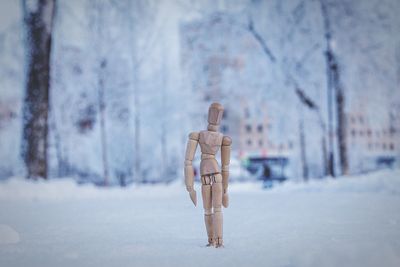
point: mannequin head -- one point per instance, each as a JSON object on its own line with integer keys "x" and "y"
{"x": 214, "y": 116}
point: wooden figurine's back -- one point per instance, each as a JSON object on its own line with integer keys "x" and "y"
{"x": 214, "y": 179}
{"x": 210, "y": 143}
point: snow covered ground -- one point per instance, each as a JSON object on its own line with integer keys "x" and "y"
{"x": 351, "y": 221}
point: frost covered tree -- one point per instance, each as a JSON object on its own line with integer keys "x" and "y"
{"x": 121, "y": 103}
{"x": 311, "y": 105}
{"x": 336, "y": 97}
{"x": 294, "y": 50}
{"x": 38, "y": 16}
{"x": 11, "y": 79}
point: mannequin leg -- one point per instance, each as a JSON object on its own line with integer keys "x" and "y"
{"x": 208, "y": 215}
{"x": 217, "y": 206}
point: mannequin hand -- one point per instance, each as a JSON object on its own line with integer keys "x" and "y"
{"x": 193, "y": 197}
{"x": 225, "y": 200}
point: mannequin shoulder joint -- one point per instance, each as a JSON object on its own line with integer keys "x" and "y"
{"x": 194, "y": 136}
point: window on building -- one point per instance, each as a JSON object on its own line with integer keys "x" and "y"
{"x": 225, "y": 114}
{"x": 369, "y": 133}
{"x": 224, "y": 128}
{"x": 391, "y": 146}
{"x": 248, "y": 128}
{"x": 260, "y": 143}
{"x": 384, "y": 146}
{"x": 370, "y": 146}
{"x": 260, "y": 128}
{"x": 249, "y": 142}
{"x": 353, "y": 133}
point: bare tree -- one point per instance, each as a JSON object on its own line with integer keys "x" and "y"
{"x": 304, "y": 99}
{"x": 103, "y": 133}
{"x": 335, "y": 95}
{"x": 164, "y": 132}
{"x": 136, "y": 90}
{"x": 334, "y": 85}
{"x": 134, "y": 10}
{"x": 101, "y": 65}
{"x": 310, "y": 104}
{"x": 38, "y": 16}
{"x": 341, "y": 121}
{"x": 303, "y": 154}
{"x": 267, "y": 51}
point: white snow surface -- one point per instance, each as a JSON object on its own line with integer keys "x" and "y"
{"x": 349, "y": 221}
{"x": 8, "y": 235}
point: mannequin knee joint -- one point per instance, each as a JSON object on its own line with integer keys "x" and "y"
{"x": 217, "y": 209}
{"x": 207, "y": 212}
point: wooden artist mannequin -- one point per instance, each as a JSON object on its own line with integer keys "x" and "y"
{"x": 214, "y": 180}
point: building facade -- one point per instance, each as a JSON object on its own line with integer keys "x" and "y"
{"x": 373, "y": 145}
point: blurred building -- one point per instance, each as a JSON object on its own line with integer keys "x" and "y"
{"x": 250, "y": 127}
{"x": 373, "y": 145}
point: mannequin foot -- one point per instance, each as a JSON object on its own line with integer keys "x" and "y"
{"x": 211, "y": 242}
{"x": 219, "y": 243}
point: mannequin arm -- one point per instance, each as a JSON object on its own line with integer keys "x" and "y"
{"x": 225, "y": 159}
{"x": 189, "y": 173}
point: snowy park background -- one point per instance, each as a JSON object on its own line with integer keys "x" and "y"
{"x": 94, "y": 124}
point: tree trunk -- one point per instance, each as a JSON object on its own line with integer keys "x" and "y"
{"x": 334, "y": 85}
{"x": 341, "y": 122}
{"x": 164, "y": 154}
{"x": 303, "y": 154}
{"x": 330, "y": 88}
{"x": 137, "y": 169}
{"x": 38, "y": 16}
{"x": 324, "y": 155}
{"x": 103, "y": 132}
